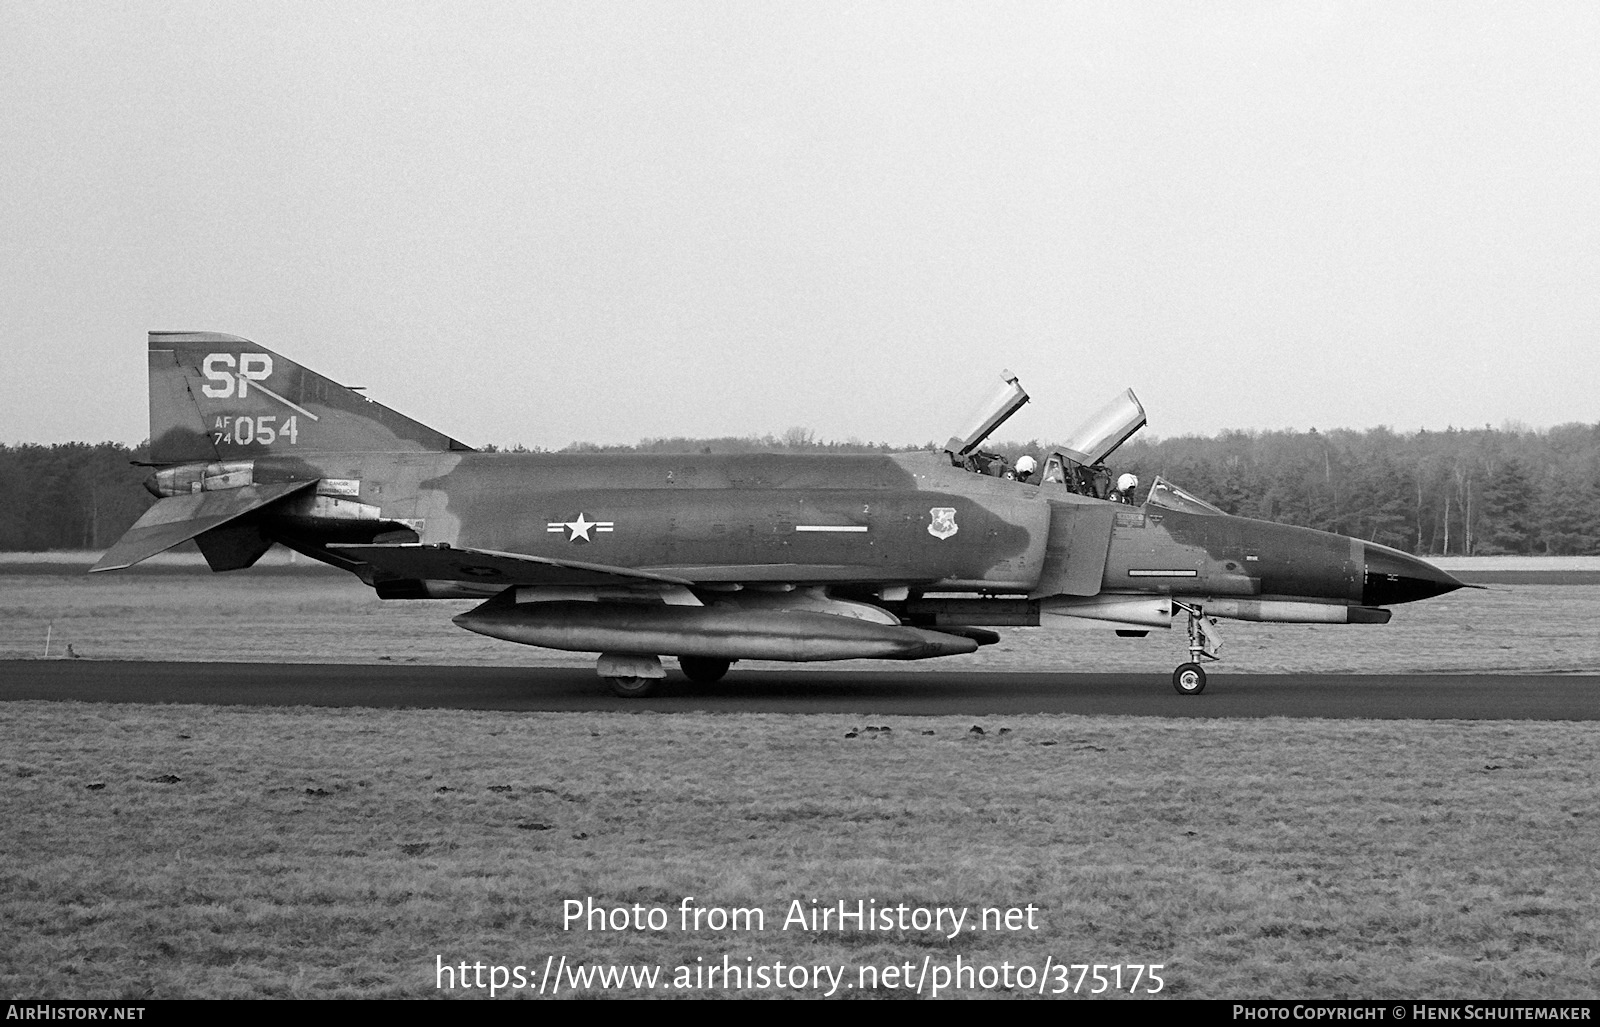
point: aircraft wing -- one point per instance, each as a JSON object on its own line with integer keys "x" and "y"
{"x": 180, "y": 518}
{"x": 444, "y": 562}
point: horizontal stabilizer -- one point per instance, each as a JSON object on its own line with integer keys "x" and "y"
{"x": 180, "y": 518}
{"x": 443, "y": 562}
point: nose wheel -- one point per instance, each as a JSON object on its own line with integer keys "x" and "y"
{"x": 1204, "y": 642}
{"x": 1189, "y": 679}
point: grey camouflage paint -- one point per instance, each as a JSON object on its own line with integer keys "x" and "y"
{"x": 859, "y": 524}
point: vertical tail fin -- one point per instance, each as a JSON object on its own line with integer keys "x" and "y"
{"x": 220, "y": 397}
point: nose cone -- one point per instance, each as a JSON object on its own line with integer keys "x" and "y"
{"x": 1395, "y": 577}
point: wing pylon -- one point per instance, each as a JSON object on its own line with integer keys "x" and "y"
{"x": 441, "y": 561}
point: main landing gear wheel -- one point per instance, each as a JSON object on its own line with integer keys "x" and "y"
{"x": 1189, "y": 679}
{"x": 633, "y": 688}
{"x": 703, "y": 670}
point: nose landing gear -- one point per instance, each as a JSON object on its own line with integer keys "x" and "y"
{"x": 1204, "y": 642}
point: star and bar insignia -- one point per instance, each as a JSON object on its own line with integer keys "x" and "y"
{"x": 578, "y": 530}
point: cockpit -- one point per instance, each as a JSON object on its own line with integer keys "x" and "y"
{"x": 1170, "y": 497}
{"x": 1077, "y": 466}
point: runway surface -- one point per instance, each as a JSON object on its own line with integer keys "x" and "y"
{"x": 921, "y": 693}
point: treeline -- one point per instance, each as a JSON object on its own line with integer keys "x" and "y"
{"x": 794, "y": 440}
{"x": 72, "y": 496}
{"x": 1457, "y": 492}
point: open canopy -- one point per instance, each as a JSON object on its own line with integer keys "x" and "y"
{"x": 1006, "y": 399}
{"x": 1109, "y": 427}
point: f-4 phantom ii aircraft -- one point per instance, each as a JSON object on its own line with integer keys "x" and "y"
{"x": 715, "y": 559}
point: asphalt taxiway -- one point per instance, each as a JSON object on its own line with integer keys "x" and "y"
{"x": 905, "y": 693}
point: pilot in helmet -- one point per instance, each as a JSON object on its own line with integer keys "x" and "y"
{"x": 1026, "y": 465}
{"x": 1125, "y": 487}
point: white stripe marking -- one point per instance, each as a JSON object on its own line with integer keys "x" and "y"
{"x": 280, "y": 399}
{"x": 1163, "y": 574}
{"x": 830, "y": 527}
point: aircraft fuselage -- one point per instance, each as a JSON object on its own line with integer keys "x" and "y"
{"x": 847, "y": 521}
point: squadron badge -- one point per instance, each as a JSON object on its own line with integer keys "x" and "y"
{"x": 942, "y": 522}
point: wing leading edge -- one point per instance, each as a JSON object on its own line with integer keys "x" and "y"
{"x": 443, "y": 562}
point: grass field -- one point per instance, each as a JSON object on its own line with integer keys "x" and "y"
{"x": 208, "y": 851}
{"x": 194, "y": 851}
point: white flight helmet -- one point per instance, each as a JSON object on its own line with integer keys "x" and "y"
{"x": 1026, "y": 464}
{"x": 1127, "y": 483}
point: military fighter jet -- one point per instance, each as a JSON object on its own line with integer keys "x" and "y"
{"x": 715, "y": 559}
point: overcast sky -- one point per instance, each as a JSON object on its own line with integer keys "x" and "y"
{"x": 546, "y": 222}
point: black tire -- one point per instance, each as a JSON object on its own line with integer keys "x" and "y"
{"x": 1189, "y": 679}
{"x": 633, "y": 688}
{"x": 703, "y": 670}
